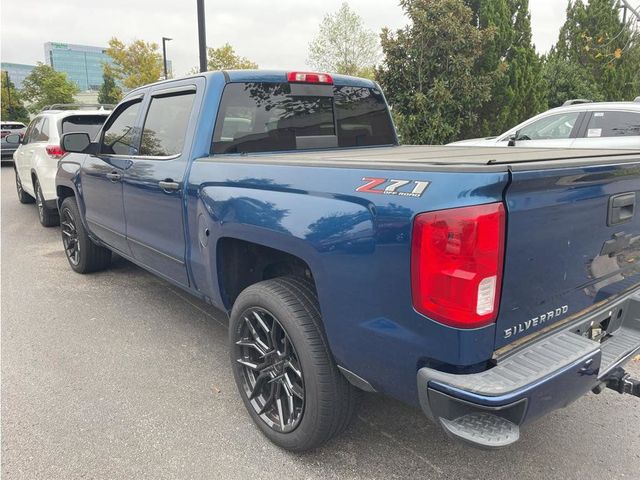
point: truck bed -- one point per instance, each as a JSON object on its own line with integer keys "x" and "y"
{"x": 438, "y": 157}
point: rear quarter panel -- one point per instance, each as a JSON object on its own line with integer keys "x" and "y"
{"x": 357, "y": 246}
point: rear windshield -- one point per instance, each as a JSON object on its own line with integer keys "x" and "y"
{"x": 90, "y": 124}
{"x": 266, "y": 117}
{"x": 12, "y": 126}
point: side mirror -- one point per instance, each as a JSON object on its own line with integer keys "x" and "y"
{"x": 77, "y": 142}
{"x": 13, "y": 139}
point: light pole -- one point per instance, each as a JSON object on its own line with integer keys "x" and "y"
{"x": 202, "y": 37}
{"x": 6, "y": 72}
{"x": 164, "y": 54}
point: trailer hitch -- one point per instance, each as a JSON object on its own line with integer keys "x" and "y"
{"x": 621, "y": 382}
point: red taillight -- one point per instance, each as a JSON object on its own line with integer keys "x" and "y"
{"x": 54, "y": 151}
{"x": 309, "y": 77}
{"x": 456, "y": 264}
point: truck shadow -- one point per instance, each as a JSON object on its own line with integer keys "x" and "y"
{"x": 388, "y": 439}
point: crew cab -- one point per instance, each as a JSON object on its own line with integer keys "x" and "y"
{"x": 37, "y": 152}
{"x": 487, "y": 286}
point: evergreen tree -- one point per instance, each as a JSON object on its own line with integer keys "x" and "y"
{"x": 429, "y": 71}
{"x": 601, "y": 47}
{"x": 518, "y": 91}
{"x": 109, "y": 92}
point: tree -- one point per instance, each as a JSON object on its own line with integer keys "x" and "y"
{"x": 430, "y": 73}
{"x": 603, "y": 53}
{"x": 134, "y": 65}
{"x": 13, "y": 108}
{"x": 44, "y": 86}
{"x": 518, "y": 91}
{"x": 567, "y": 80}
{"x": 225, "y": 58}
{"x": 109, "y": 91}
{"x": 344, "y": 45}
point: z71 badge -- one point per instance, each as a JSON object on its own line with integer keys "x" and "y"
{"x": 388, "y": 186}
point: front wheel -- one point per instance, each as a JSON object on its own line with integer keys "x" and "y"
{"x": 83, "y": 255}
{"x": 283, "y": 367}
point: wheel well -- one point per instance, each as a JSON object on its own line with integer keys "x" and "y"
{"x": 64, "y": 192}
{"x": 242, "y": 264}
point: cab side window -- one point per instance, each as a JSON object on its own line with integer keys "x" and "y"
{"x": 119, "y": 134}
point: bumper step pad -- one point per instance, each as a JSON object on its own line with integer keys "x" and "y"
{"x": 523, "y": 368}
{"x": 482, "y": 429}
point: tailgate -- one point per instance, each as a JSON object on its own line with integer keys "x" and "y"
{"x": 573, "y": 241}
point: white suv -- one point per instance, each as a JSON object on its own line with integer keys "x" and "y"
{"x": 36, "y": 159}
{"x": 577, "y": 124}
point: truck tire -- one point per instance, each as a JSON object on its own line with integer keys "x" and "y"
{"x": 83, "y": 254}
{"x": 48, "y": 217}
{"x": 284, "y": 370}
{"x": 23, "y": 196}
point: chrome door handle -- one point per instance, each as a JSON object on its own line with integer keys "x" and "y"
{"x": 114, "y": 176}
{"x": 169, "y": 185}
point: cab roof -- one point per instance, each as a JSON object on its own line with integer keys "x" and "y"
{"x": 266, "y": 76}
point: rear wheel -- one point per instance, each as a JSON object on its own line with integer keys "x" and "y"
{"x": 48, "y": 216}
{"x": 83, "y": 254}
{"x": 283, "y": 367}
{"x": 23, "y": 196}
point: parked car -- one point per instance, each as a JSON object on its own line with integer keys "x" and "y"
{"x": 7, "y": 128}
{"x": 577, "y": 124}
{"x": 36, "y": 158}
{"x": 488, "y": 286}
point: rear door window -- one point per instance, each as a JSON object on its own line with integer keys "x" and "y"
{"x": 166, "y": 124}
{"x": 29, "y": 131}
{"x": 266, "y": 117}
{"x": 613, "y": 124}
{"x": 43, "y": 131}
{"x": 90, "y": 124}
{"x": 35, "y": 132}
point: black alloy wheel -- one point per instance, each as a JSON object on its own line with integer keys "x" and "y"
{"x": 70, "y": 236}
{"x": 271, "y": 374}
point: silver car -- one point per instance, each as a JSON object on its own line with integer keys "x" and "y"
{"x": 577, "y": 124}
{"x": 8, "y": 128}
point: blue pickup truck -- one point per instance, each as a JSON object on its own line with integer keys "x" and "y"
{"x": 486, "y": 286}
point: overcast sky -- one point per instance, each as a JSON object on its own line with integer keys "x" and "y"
{"x": 275, "y": 33}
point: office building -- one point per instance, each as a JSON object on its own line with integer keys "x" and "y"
{"x": 17, "y": 72}
{"x": 81, "y": 63}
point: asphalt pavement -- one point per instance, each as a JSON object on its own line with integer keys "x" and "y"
{"x": 119, "y": 375}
